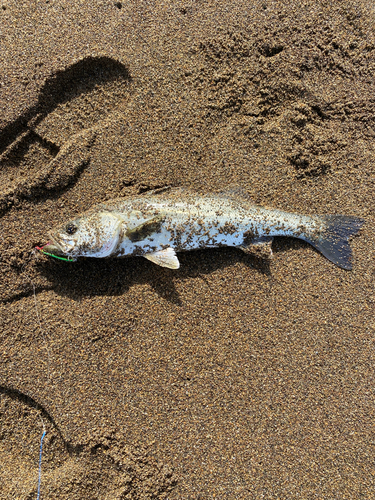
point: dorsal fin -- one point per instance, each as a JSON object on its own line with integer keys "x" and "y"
{"x": 164, "y": 258}
{"x": 235, "y": 192}
{"x": 152, "y": 192}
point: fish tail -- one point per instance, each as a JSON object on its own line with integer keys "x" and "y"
{"x": 333, "y": 240}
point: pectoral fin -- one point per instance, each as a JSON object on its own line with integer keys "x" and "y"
{"x": 259, "y": 247}
{"x": 145, "y": 230}
{"x": 164, "y": 258}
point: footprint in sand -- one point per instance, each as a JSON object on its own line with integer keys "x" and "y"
{"x": 46, "y": 148}
{"x": 41, "y": 153}
{"x": 103, "y": 467}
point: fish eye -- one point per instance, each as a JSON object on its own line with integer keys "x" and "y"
{"x": 71, "y": 228}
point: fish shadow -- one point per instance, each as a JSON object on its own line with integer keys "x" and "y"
{"x": 113, "y": 277}
{"x": 285, "y": 244}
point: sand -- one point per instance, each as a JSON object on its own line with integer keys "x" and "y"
{"x": 233, "y": 377}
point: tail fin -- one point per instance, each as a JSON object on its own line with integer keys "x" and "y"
{"x": 333, "y": 240}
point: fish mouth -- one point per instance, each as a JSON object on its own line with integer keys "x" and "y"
{"x": 58, "y": 246}
{"x": 52, "y": 248}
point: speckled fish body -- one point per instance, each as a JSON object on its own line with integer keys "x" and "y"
{"x": 159, "y": 225}
{"x": 198, "y": 222}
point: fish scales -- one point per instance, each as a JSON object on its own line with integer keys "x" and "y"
{"x": 159, "y": 225}
{"x": 200, "y": 222}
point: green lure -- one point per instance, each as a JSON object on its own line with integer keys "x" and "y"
{"x": 67, "y": 259}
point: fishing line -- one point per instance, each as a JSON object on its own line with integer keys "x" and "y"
{"x": 40, "y": 460}
{"x": 40, "y": 465}
{"x": 40, "y": 327}
{"x": 48, "y": 375}
{"x": 37, "y": 312}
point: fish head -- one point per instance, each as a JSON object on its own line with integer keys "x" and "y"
{"x": 94, "y": 235}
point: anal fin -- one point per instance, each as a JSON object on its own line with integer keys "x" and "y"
{"x": 259, "y": 247}
{"x": 164, "y": 258}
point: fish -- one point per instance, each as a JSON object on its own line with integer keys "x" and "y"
{"x": 158, "y": 225}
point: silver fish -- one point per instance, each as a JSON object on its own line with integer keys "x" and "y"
{"x": 158, "y": 225}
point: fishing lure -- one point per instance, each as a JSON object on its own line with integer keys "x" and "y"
{"x": 67, "y": 259}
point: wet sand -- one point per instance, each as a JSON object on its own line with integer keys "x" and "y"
{"x": 233, "y": 377}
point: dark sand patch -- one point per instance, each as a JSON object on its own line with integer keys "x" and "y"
{"x": 246, "y": 378}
